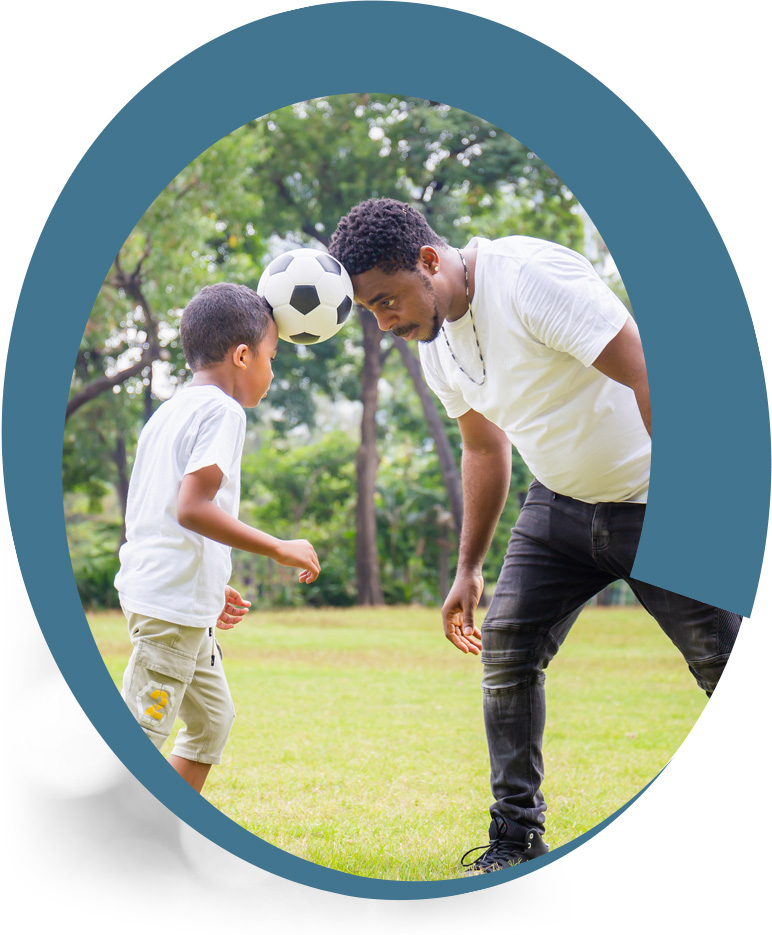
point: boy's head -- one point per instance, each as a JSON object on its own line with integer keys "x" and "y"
{"x": 219, "y": 318}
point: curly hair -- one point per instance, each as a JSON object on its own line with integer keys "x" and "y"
{"x": 381, "y": 232}
{"x": 220, "y": 317}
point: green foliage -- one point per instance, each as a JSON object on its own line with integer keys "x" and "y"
{"x": 281, "y": 181}
{"x": 303, "y": 491}
{"x": 321, "y": 157}
{"x": 90, "y": 439}
{"x": 415, "y": 527}
{"x": 94, "y": 556}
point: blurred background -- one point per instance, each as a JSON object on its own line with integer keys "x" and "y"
{"x": 350, "y": 449}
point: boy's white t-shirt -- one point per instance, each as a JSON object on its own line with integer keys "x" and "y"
{"x": 167, "y": 571}
{"x": 543, "y": 316}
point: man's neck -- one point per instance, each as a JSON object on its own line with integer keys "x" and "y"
{"x": 462, "y": 299}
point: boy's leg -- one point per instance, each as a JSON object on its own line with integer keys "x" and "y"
{"x": 208, "y": 714}
{"x": 170, "y": 674}
{"x": 159, "y": 671}
{"x": 193, "y": 773}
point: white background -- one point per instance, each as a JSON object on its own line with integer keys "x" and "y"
{"x": 82, "y": 840}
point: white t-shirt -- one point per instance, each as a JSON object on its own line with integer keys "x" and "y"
{"x": 167, "y": 571}
{"x": 543, "y": 316}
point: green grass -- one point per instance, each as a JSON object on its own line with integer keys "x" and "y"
{"x": 359, "y": 741}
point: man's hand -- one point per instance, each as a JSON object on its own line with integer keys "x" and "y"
{"x": 299, "y": 553}
{"x": 458, "y": 613}
{"x": 234, "y": 610}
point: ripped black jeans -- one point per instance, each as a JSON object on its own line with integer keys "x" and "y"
{"x": 561, "y": 553}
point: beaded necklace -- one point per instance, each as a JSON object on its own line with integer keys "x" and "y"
{"x": 474, "y": 329}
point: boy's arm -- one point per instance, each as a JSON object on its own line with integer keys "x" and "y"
{"x": 197, "y": 512}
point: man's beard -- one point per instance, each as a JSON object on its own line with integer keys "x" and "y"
{"x": 436, "y": 327}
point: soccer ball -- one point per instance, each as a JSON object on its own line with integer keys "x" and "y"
{"x": 310, "y": 293}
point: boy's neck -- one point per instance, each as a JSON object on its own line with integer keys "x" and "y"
{"x": 219, "y": 376}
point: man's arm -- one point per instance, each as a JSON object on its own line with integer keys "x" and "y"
{"x": 622, "y": 360}
{"x": 486, "y": 468}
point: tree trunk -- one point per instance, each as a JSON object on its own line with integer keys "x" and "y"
{"x": 443, "y": 569}
{"x": 148, "y": 394}
{"x": 450, "y": 473}
{"x": 122, "y": 484}
{"x": 368, "y": 574}
{"x": 131, "y": 283}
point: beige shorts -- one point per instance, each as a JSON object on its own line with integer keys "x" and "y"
{"x": 170, "y": 674}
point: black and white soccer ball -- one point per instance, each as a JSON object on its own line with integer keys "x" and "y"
{"x": 310, "y": 293}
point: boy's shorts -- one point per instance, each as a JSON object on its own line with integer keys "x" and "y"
{"x": 170, "y": 675}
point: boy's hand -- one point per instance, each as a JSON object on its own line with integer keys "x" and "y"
{"x": 299, "y": 553}
{"x": 234, "y": 610}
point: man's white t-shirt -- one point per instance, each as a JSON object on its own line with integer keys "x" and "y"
{"x": 543, "y": 316}
{"x": 167, "y": 571}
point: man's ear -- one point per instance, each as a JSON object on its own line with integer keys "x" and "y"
{"x": 429, "y": 258}
{"x": 240, "y": 356}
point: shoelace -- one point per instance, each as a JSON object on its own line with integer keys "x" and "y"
{"x": 492, "y": 845}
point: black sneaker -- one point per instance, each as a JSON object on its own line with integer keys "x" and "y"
{"x": 509, "y": 844}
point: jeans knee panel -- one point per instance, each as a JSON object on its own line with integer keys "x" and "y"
{"x": 524, "y": 684}
{"x": 727, "y": 629}
{"x": 506, "y": 671}
{"x": 707, "y": 672}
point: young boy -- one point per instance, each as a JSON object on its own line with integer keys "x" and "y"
{"x": 181, "y": 522}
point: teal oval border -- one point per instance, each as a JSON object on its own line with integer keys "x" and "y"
{"x": 708, "y": 394}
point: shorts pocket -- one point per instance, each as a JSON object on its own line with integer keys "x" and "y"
{"x": 157, "y": 657}
{"x": 160, "y": 676}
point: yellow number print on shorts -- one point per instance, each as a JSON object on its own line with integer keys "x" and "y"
{"x": 154, "y": 703}
{"x": 156, "y": 711}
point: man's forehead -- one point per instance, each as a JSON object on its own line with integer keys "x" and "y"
{"x": 370, "y": 285}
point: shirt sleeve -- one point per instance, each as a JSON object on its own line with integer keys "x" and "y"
{"x": 452, "y": 399}
{"x": 219, "y": 440}
{"x": 566, "y": 306}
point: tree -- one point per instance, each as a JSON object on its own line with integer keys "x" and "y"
{"x": 185, "y": 240}
{"x": 301, "y": 490}
{"x": 319, "y": 158}
{"x": 280, "y": 181}
{"x": 447, "y": 462}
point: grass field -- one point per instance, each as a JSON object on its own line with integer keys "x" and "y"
{"x": 359, "y": 741}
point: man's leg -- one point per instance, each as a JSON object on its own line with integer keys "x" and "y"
{"x": 704, "y": 634}
{"x": 546, "y": 579}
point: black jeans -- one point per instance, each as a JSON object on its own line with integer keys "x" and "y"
{"x": 561, "y": 553}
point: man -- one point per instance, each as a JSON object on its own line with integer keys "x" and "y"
{"x": 524, "y": 345}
